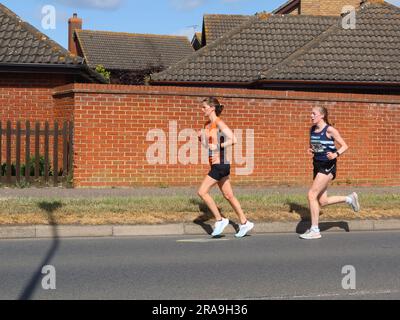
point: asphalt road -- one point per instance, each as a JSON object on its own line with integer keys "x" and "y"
{"x": 270, "y": 266}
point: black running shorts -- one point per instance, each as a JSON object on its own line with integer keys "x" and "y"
{"x": 325, "y": 167}
{"x": 219, "y": 171}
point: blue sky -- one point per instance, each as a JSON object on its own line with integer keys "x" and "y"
{"x": 177, "y": 17}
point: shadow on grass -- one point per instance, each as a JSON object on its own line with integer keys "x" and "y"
{"x": 207, "y": 215}
{"x": 34, "y": 282}
{"x": 305, "y": 219}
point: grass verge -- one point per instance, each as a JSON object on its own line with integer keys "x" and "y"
{"x": 174, "y": 209}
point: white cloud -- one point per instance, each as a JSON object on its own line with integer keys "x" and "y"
{"x": 97, "y": 4}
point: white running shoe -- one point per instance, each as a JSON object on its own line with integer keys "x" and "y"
{"x": 355, "y": 204}
{"x": 219, "y": 227}
{"x": 310, "y": 235}
{"x": 244, "y": 228}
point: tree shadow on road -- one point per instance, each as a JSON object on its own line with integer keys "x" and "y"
{"x": 207, "y": 215}
{"x": 49, "y": 208}
{"x": 305, "y": 219}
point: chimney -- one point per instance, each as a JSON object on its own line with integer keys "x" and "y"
{"x": 74, "y": 23}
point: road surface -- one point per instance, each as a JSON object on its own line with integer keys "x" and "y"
{"x": 262, "y": 266}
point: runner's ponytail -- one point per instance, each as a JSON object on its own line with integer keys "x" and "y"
{"x": 213, "y": 102}
{"x": 324, "y": 112}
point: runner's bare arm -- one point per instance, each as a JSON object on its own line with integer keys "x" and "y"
{"x": 332, "y": 132}
{"x": 228, "y": 134}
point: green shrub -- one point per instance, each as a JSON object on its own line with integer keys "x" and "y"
{"x": 31, "y": 168}
{"x": 106, "y": 74}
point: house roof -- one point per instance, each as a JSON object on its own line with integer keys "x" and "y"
{"x": 281, "y": 48}
{"x": 242, "y": 54}
{"x": 217, "y": 25}
{"x": 21, "y": 43}
{"x": 196, "y": 41}
{"x": 368, "y": 53}
{"x": 23, "y": 48}
{"x": 131, "y": 51}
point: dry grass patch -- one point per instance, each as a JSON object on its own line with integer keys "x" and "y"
{"x": 174, "y": 209}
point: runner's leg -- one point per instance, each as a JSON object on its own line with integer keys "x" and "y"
{"x": 324, "y": 200}
{"x": 320, "y": 184}
{"x": 226, "y": 188}
{"x": 203, "y": 193}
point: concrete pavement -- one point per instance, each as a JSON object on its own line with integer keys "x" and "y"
{"x": 64, "y": 231}
{"x": 77, "y": 193}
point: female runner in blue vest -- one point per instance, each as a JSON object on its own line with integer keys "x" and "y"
{"x": 322, "y": 146}
{"x": 217, "y": 136}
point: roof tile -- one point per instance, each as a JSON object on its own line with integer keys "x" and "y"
{"x": 370, "y": 52}
{"x": 130, "y": 51}
{"x": 19, "y": 41}
{"x": 217, "y": 25}
{"x": 269, "y": 41}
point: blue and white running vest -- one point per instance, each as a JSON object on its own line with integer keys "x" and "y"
{"x": 321, "y": 144}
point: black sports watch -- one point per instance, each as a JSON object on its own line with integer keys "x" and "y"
{"x": 338, "y": 154}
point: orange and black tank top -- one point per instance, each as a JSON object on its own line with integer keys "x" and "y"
{"x": 216, "y": 137}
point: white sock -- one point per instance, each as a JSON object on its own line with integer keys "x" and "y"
{"x": 315, "y": 228}
{"x": 349, "y": 200}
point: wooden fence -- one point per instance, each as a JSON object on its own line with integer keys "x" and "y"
{"x": 53, "y": 166}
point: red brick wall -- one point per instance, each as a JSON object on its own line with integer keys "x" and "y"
{"x": 111, "y": 123}
{"x": 326, "y": 7}
{"x": 30, "y": 97}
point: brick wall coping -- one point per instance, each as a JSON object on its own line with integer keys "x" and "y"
{"x": 225, "y": 93}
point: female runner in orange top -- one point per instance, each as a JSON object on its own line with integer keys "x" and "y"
{"x": 217, "y": 137}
